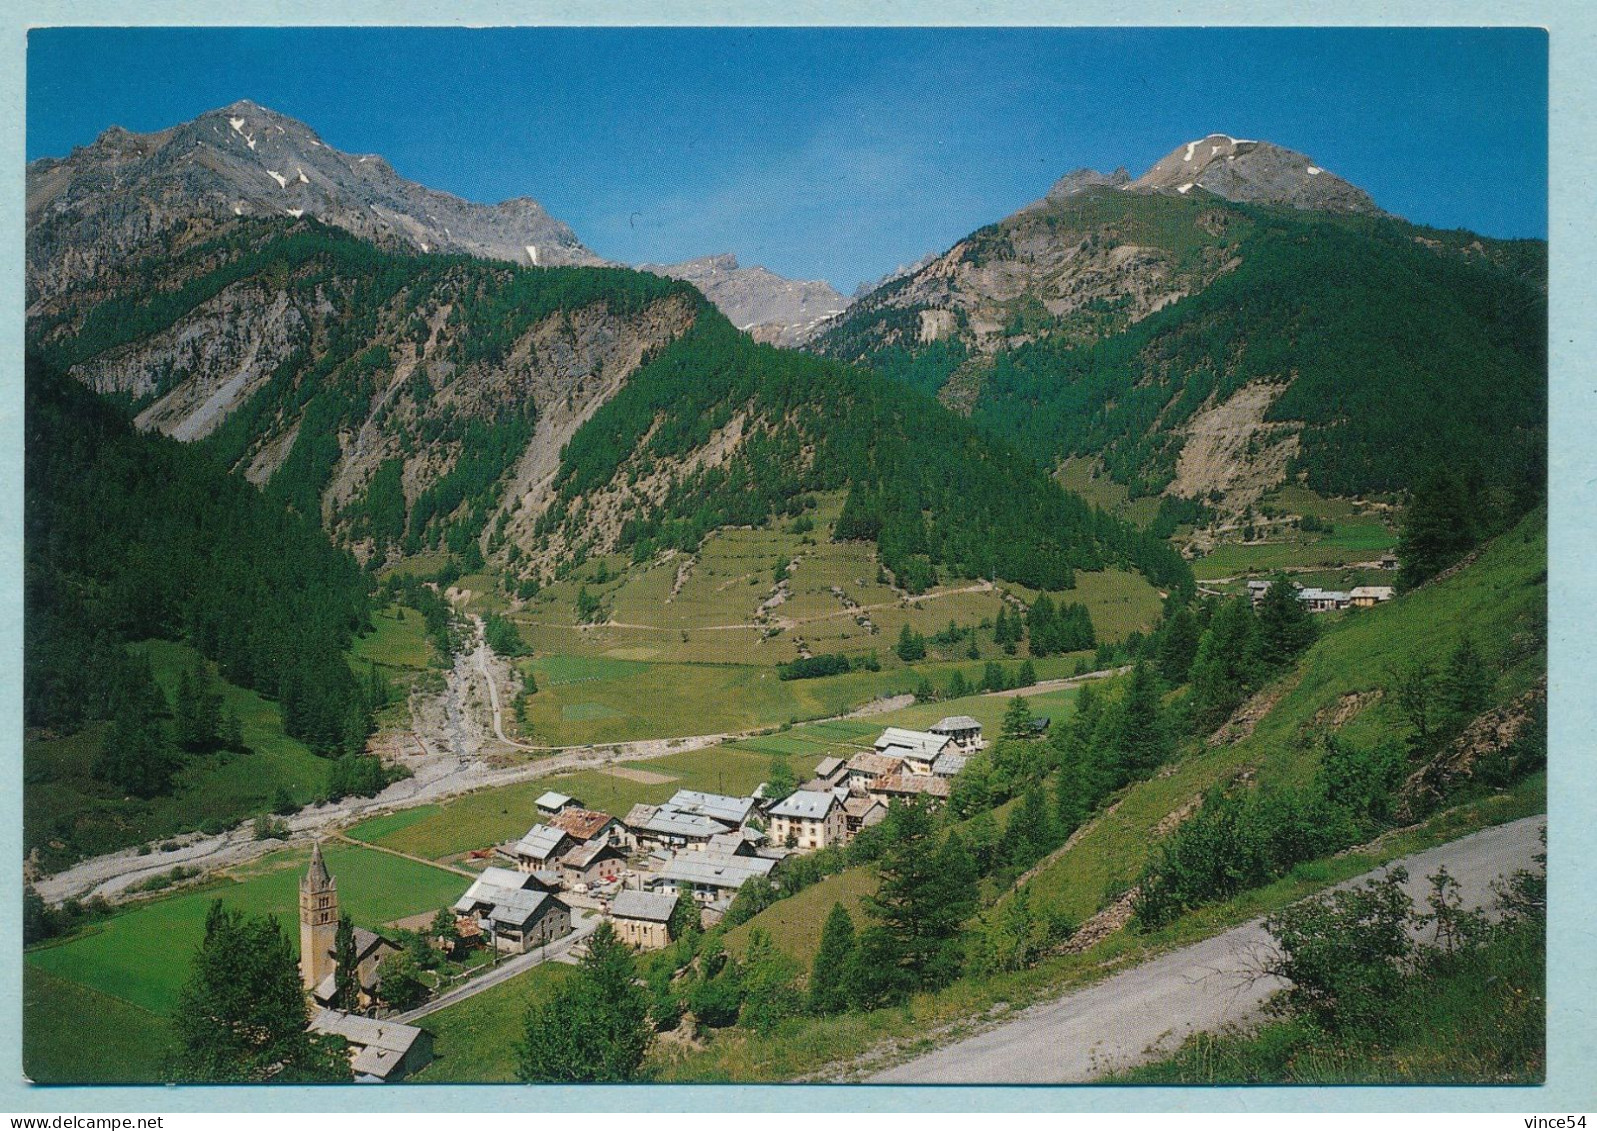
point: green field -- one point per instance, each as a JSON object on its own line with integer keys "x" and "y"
{"x": 398, "y": 640}
{"x": 141, "y": 955}
{"x": 795, "y": 923}
{"x": 61, "y": 1019}
{"x": 475, "y": 1041}
{"x": 374, "y": 829}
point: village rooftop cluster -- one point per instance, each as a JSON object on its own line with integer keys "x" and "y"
{"x": 577, "y": 867}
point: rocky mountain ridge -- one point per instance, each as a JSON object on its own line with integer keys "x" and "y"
{"x": 127, "y": 191}
{"x": 769, "y": 307}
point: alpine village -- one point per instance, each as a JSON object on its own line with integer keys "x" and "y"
{"x": 685, "y": 674}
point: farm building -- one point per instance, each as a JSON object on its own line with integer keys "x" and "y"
{"x": 1368, "y": 596}
{"x": 708, "y": 876}
{"x": 586, "y": 826}
{"x": 642, "y": 918}
{"x": 551, "y": 803}
{"x": 831, "y": 771}
{"x": 664, "y": 828}
{"x": 1324, "y": 600}
{"x": 905, "y": 785}
{"x": 515, "y": 909}
{"x": 380, "y": 1052}
{"x": 862, "y": 812}
{"x": 866, "y": 769}
{"x": 963, "y": 730}
{"x": 918, "y": 750}
{"x": 731, "y": 811}
{"x": 598, "y": 862}
{"x": 808, "y": 820}
{"x": 541, "y": 847}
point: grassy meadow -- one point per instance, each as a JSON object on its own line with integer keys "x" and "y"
{"x": 475, "y": 1041}
{"x": 140, "y": 956}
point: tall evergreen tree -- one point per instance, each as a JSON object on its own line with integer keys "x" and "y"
{"x": 1225, "y": 667}
{"x": 1285, "y": 626}
{"x": 829, "y": 973}
{"x": 241, "y": 1016}
{"x": 1178, "y": 644}
{"x": 595, "y": 1027}
{"x": 346, "y": 975}
{"x": 1143, "y": 740}
{"x": 1438, "y": 528}
{"x": 1465, "y": 688}
{"x": 1017, "y": 719}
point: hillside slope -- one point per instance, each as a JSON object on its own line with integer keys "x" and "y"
{"x": 534, "y": 416}
{"x": 1227, "y": 323}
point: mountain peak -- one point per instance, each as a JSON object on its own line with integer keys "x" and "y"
{"x": 1259, "y": 172}
{"x": 1072, "y": 183}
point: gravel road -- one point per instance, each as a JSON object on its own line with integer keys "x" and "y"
{"x": 1114, "y": 1024}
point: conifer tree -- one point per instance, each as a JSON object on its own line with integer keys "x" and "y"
{"x": 595, "y": 1027}
{"x": 1285, "y": 626}
{"x": 829, "y": 974}
{"x": 241, "y": 1016}
{"x": 346, "y": 975}
{"x": 1438, "y": 528}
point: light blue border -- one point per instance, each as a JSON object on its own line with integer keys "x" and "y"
{"x": 1572, "y": 941}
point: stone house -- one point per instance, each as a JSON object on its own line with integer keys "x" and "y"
{"x": 380, "y": 1052}
{"x": 808, "y": 820}
{"x": 642, "y": 918}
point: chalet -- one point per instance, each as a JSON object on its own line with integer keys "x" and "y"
{"x": 963, "y": 730}
{"x": 370, "y": 949}
{"x": 1368, "y": 596}
{"x": 665, "y": 828}
{"x": 1324, "y": 600}
{"x": 904, "y": 785}
{"x": 586, "y": 826}
{"x": 708, "y": 876}
{"x": 916, "y": 749}
{"x": 642, "y": 918}
{"x": 866, "y": 769}
{"x": 862, "y": 812}
{"x": 597, "y": 862}
{"x": 809, "y": 820}
{"x": 1389, "y": 561}
{"x": 380, "y": 1052}
{"x": 1038, "y": 726}
{"x": 551, "y": 803}
{"x": 832, "y": 771}
{"x": 950, "y": 764}
{"x": 541, "y": 848}
{"x": 1257, "y": 588}
{"x": 515, "y": 910}
{"x": 733, "y": 812}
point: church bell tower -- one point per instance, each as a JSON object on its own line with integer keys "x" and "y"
{"x": 318, "y": 920}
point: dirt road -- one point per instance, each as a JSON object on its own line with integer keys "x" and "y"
{"x": 1114, "y": 1023}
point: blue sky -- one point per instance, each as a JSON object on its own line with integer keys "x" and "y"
{"x": 835, "y": 153}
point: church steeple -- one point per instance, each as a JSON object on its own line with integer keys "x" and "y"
{"x": 318, "y": 920}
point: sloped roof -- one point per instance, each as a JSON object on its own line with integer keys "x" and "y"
{"x": 541, "y": 842}
{"x": 912, "y": 784}
{"x": 955, "y": 722}
{"x": 715, "y": 868}
{"x": 553, "y": 800}
{"x": 914, "y": 743}
{"x": 826, "y": 767}
{"x": 584, "y": 854}
{"x": 1379, "y": 592}
{"x": 651, "y": 906}
{"x": 947, "y": 765}
{"x": 869, "y": 762}
{"x": 379, "y": 1046}
{"x": 805, "y": 805}
{"x": 667, "y": 820}
{"x": 859, "y": 806}
{"x": 316, "y": 876}
{"x": 718, "y": 806}
{"x": 499, "y": 885}
{"x": 583, "y": 824}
